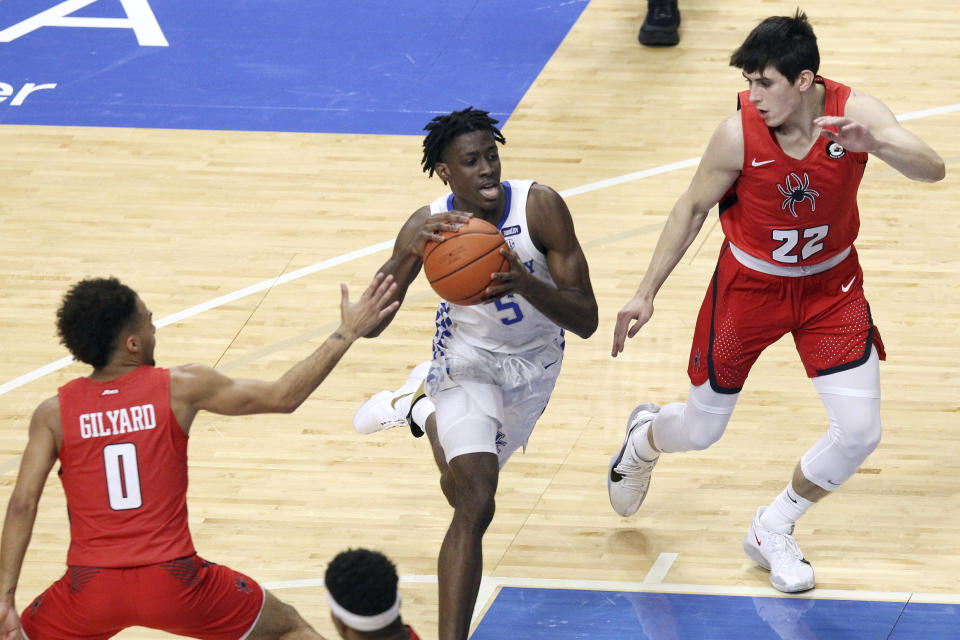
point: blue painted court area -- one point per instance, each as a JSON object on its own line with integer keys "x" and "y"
{"x": 559, "y": 614}
{"x": 340, "y": 66}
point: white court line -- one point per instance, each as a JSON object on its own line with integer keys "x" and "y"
{"x": 660, "y": 568}
{"x": 353, "y": 255}
{"x": 492, "y": 583}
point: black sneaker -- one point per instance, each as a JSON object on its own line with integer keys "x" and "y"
{"x": 660, "y": 27}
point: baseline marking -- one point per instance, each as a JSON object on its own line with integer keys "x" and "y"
{"x": 380, "y": 246}
{"x": 662, "y": 587}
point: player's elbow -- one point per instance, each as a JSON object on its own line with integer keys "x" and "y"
{"x": 589, "y": 323}
{"x": 939, "y": 170}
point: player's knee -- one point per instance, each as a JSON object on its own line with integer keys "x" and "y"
{"x": 859, "y": 435}
{"x": 705, "y": 429}
{"x": 448, "y": 488}
{"x": 474, "y": 512}
{"x": 475, "y": 505}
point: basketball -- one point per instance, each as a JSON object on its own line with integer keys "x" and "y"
{"x": 459, "y": 268}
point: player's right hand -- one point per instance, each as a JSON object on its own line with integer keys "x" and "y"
{"x": 361, "y": 317}
{"x": 9, "y": 621}
{"x": 435, "y": 225}
{"x": 638, "y": 311}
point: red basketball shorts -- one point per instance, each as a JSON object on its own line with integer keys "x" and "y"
{"x": 745, "y": 311}
{"x": 188, "y": 597}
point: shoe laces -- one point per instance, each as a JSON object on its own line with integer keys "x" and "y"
{"x": 785, "y": 545}
{"x": 636, "y": 475}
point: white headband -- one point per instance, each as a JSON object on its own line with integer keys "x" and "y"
{"x": 365, "y": 623}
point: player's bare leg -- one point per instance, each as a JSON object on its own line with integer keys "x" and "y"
{"x": 446, "y": 479}
{"x": 280, "y": 621}
{"x": 460, "y": 566}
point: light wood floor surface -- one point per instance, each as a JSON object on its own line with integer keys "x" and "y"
{"x": 187, "y": 216}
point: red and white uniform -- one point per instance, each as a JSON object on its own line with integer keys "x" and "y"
{"x": 792, "y": 212}
{"x": 788, "y": 264}
{"x": 124, "y": 471}
{"x": 131, "y": 560}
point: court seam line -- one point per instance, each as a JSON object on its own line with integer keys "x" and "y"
{"x": 495, "y": 582}
{"x": 26, "y": 378}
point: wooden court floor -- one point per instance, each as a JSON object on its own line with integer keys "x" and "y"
{"x": 186, "y": 217}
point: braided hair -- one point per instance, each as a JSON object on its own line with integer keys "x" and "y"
{"x": 442, "y": 130}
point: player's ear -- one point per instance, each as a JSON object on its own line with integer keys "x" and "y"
{"x": 443, "y": 172}
{"x": 805, "y": 80}
{"x": 131, "y": 342}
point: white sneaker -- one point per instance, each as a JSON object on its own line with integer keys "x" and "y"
{"x": 628, "y": 476}
{"x": 388, "y": 409}
{"x": 779, "y": 554}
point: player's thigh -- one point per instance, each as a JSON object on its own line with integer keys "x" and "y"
{"x": 743, "y": 312}
{"x": 466, "y": 419}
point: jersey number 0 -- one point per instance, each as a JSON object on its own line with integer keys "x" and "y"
{"x": 123, "y": 476}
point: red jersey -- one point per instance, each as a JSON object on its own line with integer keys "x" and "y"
{"x": 792, "y": 212}
{"x": 124, "y": 471}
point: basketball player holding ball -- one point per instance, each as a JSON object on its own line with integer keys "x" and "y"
{"x": 495, "y": 362}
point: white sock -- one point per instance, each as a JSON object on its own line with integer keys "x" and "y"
{"x": 784, "y": 511}
{"x": 640, "y": 444}
{"x": 421, "y": 411}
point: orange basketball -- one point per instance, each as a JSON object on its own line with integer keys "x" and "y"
{"x": 459, "y": 268}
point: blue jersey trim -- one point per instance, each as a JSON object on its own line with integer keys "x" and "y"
{"x": 508, "y": 196}
{"x": 506, "y": 205}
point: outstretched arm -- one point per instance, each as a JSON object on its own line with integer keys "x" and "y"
{"x": 35, "y": 465}
{"x": 407, "y": 258}
{"x": 571, "y": 303}
{"x": 719, "y": 168}
{"x": 869, "y": 126}
{"x": 194, "y": 387}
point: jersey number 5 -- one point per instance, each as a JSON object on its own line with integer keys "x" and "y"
{"x": 515, "y": 314}
{"x": 790, "y": 238}
{"x": 123, "y": 476}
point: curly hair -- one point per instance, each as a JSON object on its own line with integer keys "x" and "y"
{"x": 442, "y": 130}
{"x": 788, "y": 44}
{"x": 91, "y": 317}
{"x": 362, "y": 581}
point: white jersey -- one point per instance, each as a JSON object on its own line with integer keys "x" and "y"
{"x": 510, "y": 324}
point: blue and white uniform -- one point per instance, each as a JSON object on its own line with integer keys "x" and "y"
{"x": 495, "y": 364}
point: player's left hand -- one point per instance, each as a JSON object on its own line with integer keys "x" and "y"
{"x": 849, "y": 134}
{"x": 515, "y": 280}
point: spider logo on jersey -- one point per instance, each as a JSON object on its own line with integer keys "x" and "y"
{"x": 796, "y": 193}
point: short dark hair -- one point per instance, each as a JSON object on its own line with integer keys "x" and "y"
{"x": 91, "y": 317}
{"x": 788, "y": 44}
{"x": 442, "y": 130}
{"x": 362, "y": 581}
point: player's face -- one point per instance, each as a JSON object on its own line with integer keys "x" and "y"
{"x": 471, "y": 167}
{"x": 775, "y": 97}
{"x": 146, "y": 334}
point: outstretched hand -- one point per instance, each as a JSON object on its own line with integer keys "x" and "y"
{"x": 9, "y": 621}
{"x": 638, "y": 311}
{"x": 361, "y": 317}
{"x": 849, "y": 134}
